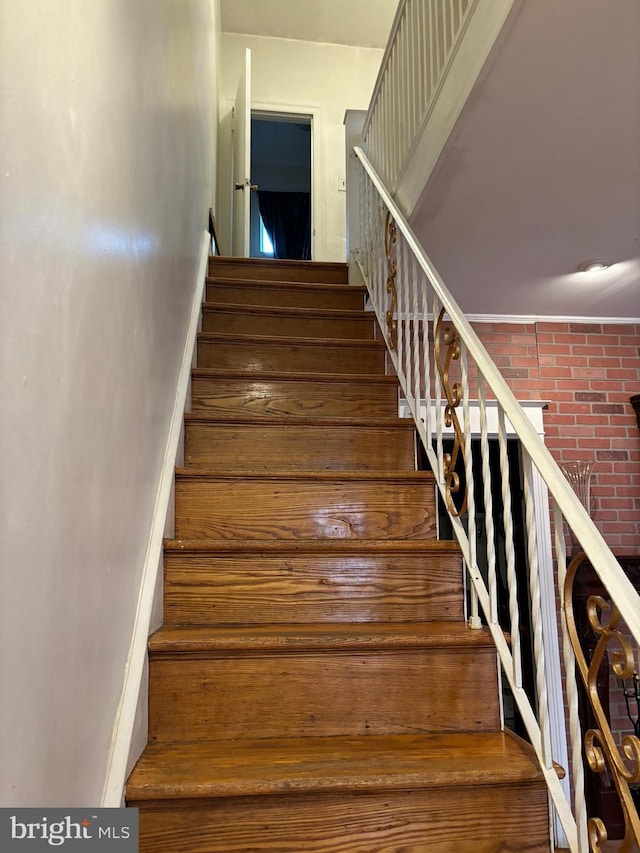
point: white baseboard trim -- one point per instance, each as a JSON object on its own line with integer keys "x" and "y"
{"x": 129, "y": 731}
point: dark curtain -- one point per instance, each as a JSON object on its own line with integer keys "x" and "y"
{"x": 287, "y": 218}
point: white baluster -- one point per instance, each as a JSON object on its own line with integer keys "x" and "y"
{"x": 438, "y": 389}
{"x": 400, "y": 314}
{"x": 474, "y": 621}
{"x": 426, "y": 355}
{"x": 415, "y": 348}
{"x": 512, "y": 579}
{"x": 575, "y": 730}
{"x": 536, "y": 618}
{"x": 488, "y": 503}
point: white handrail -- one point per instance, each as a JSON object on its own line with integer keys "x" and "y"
{"x": 408, "y": 295}
{"x": 590, "y": 538}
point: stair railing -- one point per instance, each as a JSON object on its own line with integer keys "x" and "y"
{"x": 441, "y": 363}
{"x": 422, "y": 40}
{"x": 436, "y": 52}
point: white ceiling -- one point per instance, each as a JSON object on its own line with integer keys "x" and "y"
{"x": 542, "y": 171}
{"x": 363, "y": 23}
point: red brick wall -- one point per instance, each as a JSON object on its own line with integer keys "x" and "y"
{"x": 586, "y": 372}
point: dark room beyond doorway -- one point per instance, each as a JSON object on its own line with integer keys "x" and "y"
{"x": 281, "y": 167}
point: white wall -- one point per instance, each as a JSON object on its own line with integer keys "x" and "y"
{"x": 108, "y": 168}
{"x": 300, "y": 76}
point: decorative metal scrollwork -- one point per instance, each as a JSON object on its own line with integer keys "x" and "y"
{"x": 601, "y": 751}
{"x": 453, "y": 392}
{"x": 390, "y": 239}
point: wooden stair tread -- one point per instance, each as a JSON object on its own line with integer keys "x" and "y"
{"x": 275, "y": 284}
{"x": 353, "y": 763}
{"x": 309, "y": 546}
{"x": 286, "y": 423}
{"x": 316, "y": 637}
{"x": 409, "y": 477}
{"x": 285, "y": 311}
{"x": 278, "y": 262}
{"x": 260, "y": 376}
{"x": 294, "y": 376}
{"x": 359, "y": 343}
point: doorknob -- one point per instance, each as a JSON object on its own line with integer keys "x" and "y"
{"x": 239, "y": 185}
{"x": 254, "y": 187}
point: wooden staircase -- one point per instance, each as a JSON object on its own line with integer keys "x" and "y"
{"x": 315, "y": 687}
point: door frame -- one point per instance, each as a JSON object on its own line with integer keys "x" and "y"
{"x": 241, "y": 160}
{"x": 273, "y": 112}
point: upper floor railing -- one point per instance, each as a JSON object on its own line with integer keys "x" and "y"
{"x": 409, "y": 78}
{"x": 445, "y": 373}
{"x": 435, "y": 52}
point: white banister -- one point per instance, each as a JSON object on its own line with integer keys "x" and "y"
{"x": 435, "y": 53}
{"x": 591, "y": 540}
{"x": 440, "y": 362}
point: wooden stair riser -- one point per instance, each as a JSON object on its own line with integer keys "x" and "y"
{"x": 328, "y": 693}
{"x": 248, "y": 322}
{"x": 294, "y": 398}
{"x": 243, "y": 589}
{"x": 269, "y": 270}
{"x": 271, "y": 355}
{"x": 485, "y": 819}
{"x": 283, "y": 295}
{"x": 253, "y": 508}
{"x": 286, "y": 447}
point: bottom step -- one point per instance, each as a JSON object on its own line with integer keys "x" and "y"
{"x": 459, "y": 793}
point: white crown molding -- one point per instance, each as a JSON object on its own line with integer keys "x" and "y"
{"x": 524, "y": 319}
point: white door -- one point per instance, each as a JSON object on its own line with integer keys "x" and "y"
{"x": 242, "y": 163}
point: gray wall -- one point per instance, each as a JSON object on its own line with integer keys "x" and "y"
{"x": 108, "y": 130}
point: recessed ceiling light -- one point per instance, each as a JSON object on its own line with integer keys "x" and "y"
{"x": 593, "y": 266}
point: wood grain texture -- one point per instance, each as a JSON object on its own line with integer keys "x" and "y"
{"x": 315, "y": 687}
{"x": 328, "y": 692}
{"x": 213, "y": 506}
{"x": 300, "y": 354}
{"x": 492, "y": 820}
{"x": 205, "y": 641}
{"x": 300, "y": 765}
{"x": 278, "y": 293}
{"x": 261, "y": 320}
{"x": 256, "y": 268}
{"x": 294, "y": 396}
{"x": 245, "y": 445}
{"x": 301, "y": 586}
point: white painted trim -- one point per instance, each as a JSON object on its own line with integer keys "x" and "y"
{"x": 549, "y": 617}
{"x": 528, "y": 319}
{"x": 134, "y": 676}
{"x": 551, "y": 318}
{"x": 533, "y": 410}
{"x": 318, "y": 174}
